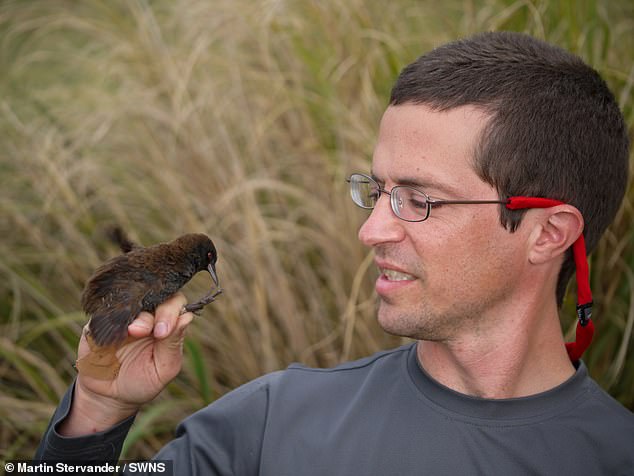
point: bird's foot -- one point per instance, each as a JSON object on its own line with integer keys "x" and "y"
{"x": 196, "y": 307}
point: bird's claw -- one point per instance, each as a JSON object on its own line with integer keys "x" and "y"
{"x": 196, "y": 307}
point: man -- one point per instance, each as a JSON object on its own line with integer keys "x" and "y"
{"x": 488, "y": 387}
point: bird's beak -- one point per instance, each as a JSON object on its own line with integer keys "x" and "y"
{"x": 212, "y": 270}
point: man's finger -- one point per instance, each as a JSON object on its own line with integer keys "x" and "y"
{"x": 167, "y": 315}
{"x": 142, "y": 326}
{"x": 183, "y": 322}
{"x": 168, "y": 352}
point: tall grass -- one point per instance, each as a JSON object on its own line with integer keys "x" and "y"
{"x": 238, "y": 118}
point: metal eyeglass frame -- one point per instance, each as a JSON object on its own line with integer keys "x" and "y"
{"x": 394, "y": 198}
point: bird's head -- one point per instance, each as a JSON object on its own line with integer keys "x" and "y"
{"x": 202, "y": 252}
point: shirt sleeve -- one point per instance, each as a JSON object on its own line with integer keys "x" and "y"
{"x": 103, "y": 446}
{"x": 224, "y": 438}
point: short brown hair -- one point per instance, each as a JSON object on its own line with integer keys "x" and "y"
{"x": 555, "y": 131}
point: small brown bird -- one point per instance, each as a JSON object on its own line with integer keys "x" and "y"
{"x": 141, "y": 279}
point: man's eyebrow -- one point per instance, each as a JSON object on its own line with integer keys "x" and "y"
{"x": 424, "y": 184}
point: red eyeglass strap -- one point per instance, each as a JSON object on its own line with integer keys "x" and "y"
{"x": 585, "y": 327}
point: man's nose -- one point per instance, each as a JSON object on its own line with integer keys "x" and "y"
{"x": 382, "y": 226}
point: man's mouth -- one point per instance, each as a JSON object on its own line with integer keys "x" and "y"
{"x": 393, "y": 275}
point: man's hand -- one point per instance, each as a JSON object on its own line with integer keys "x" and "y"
{"x": 150, "y": 358}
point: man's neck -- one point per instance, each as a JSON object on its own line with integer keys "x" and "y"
{"x": 516, "y": 358}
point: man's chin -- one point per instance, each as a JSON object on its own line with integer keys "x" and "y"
{"x": 410, "y": 324}
{"x": 395, "y": 321}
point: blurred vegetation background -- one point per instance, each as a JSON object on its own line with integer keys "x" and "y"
{"x": 241, "y": 119}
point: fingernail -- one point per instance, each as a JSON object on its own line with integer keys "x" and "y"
{"x": 140, "y": 325}
{"x": 160, "y": 330}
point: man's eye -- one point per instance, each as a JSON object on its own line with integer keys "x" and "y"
{"x": 416, "y": 203}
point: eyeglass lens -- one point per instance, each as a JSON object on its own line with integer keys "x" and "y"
{"x": 407, "y": 203}
{"x": 364, "y": 191}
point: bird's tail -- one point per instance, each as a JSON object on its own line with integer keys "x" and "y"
{"x": 116, "y": 234}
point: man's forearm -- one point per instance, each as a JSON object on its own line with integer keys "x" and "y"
{"x": 100, "y": 443}
{"x": 89, "y": 414}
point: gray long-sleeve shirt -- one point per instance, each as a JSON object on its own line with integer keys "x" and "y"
{"x": 382, "y": 415}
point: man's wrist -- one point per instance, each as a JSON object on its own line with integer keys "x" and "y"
{"x": 91, "y": 413}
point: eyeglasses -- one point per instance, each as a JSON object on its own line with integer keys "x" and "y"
{"x": 408, "y": 203}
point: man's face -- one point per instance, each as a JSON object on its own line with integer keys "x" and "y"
{"x": 458, "y": 269}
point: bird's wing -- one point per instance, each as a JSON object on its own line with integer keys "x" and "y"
{"x": 114, "y": 296}
{"x": 111, "y": 315}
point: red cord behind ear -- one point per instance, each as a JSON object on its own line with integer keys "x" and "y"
{"x": 585, "y": 327}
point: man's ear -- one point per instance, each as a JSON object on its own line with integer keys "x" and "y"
{"x": 555, "y": 233}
